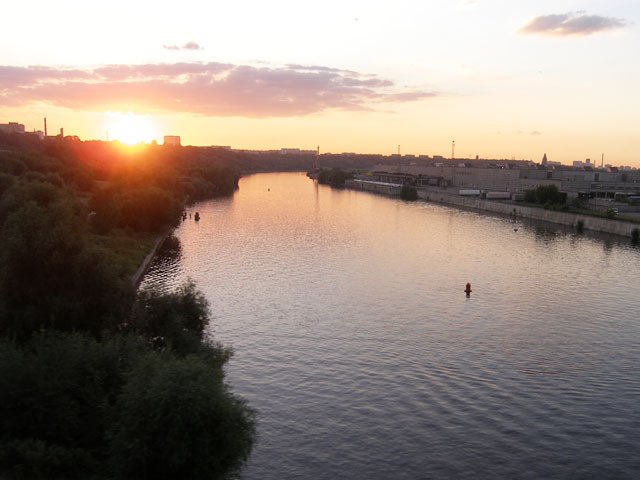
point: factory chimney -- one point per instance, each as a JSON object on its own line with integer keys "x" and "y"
{"x": 45, "y": 127}
{"x": 61, "y": 132}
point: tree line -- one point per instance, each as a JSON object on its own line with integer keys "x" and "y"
{"x": 96, "y": 380}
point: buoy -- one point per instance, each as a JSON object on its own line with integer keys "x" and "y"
{"x": 467, "y": 289}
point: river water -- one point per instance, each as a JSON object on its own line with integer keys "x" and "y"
{"x": 364, "y": 359}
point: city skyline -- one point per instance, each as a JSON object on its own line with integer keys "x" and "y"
{"x": 502, "y": 80}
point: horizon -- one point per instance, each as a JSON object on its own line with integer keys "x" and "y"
{"x": 501, "y": 80}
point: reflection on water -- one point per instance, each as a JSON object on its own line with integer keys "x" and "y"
{"x": 165, "y": 265}
{"x": 354, "y": 340}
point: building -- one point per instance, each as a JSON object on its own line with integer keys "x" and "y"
{"x": 172, "y": 140}
{"x": 39, "y": 134}
{"x": 12, "y": 127}
{"x": 583, "y": 182}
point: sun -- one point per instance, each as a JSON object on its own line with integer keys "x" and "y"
{"x": 130, "y": 128}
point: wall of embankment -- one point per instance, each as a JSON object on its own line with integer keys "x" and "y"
{"x": 598, "y": 224}
{"x": 144, "y": 266}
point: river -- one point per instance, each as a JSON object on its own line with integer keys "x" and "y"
{"x": 364, "y": 359}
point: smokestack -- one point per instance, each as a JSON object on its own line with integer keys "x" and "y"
{"x": 62, "y": 133}
{"x": 45, "y": 126}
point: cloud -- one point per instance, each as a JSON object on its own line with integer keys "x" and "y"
{"x": 536, "y": 132}
{"x": 187, "y": 46}
{"x": 212, "y": 89}
{"x": 573, "y": 23}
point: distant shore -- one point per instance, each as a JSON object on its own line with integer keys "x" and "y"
{"x": 578, "y": 221}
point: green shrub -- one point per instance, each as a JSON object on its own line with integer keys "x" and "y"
{"x": 335, "y": 176}
{"x": 175, "y": 320}
{"x": 546, "y": 195}
{"x": 75, "y": 407}
{"x": 176, "y": 420}
{"x": 408, "y": 193}
{"x": 55, "y": 395}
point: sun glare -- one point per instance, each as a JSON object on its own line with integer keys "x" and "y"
{"x": 130, "y": 128}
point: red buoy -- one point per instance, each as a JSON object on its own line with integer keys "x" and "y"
{"x": 467, "y": 289}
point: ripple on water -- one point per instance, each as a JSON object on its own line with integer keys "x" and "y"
{"x": 354, "y": 341}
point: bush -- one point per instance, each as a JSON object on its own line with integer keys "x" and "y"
{"x": 74, "y": 407}
{"x": 547, "y": 195}
{"x": 49, "y": 277}
{"x": 174, "y": 320}
{"x": 35, "y": 459}
{"x": 55, "y": 396}
{"x": 408, "y": 193}
{"x": 335, "y": 176}
{"x": 176, "y": 420}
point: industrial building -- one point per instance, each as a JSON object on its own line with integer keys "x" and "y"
{"x": 12, "y": 127}
{"x": 585, "y": 181}
{"x": 172, "y": 140}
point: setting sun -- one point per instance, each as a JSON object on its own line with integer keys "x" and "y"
{"x": 130, "y": 128}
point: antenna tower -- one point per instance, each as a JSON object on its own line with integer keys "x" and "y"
{"x": 453, "y": 150}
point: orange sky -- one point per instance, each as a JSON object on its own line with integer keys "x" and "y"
{"x": 502, "y": 80}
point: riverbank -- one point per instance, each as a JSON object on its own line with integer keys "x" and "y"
{"x": 575, "y": 220}
{"x": 136, "y": 278}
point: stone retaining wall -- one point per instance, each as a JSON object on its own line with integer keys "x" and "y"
{"x": 598, "y": 224}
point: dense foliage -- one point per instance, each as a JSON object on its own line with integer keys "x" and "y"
{"x": 334, "y": 176}
{"x": 547, "y": 195}
{"x": 96, "y": 381}
{"x": 75, "y": 407}
{"x": 61, "y": 201}
{"x": 408, "y": 193}
{"x": 50, "y": 273}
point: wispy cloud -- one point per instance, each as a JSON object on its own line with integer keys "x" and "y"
{"x": 187, "y": 46}
{"x": 572, "y": 23}
{"x": 213, "y": 89}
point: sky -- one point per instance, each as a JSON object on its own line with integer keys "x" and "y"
{"x": 504, "y": 79}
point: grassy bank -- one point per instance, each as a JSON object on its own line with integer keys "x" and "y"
{"x": 126, "y": 251}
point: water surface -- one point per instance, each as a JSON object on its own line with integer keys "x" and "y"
{"x": 364, "y": 359}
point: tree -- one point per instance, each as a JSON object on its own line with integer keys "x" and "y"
{"x": 335, "y": 176}
{"x": 175, "y": 320}
{"x": 149, "y": 209}
{"x": 177, "y": 420}
{"x": 56, "y": 392}
{"x": 408, "y": 193}
{"x": 546, "y": 195}
{"x": 49, "y": 277}
{"x": 75, "y": 407}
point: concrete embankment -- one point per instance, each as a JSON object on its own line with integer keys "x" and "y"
{"x": 598, "y": 224}
{"x": 587, "y": 222}
{"x": 144, "y": 266}
{"x": 391, "y": 189}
